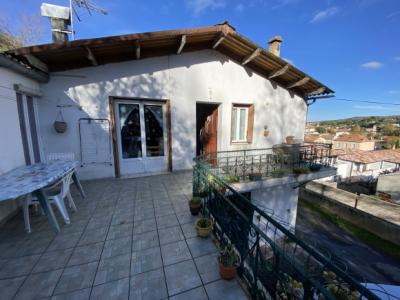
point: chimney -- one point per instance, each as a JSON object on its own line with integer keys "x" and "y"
{"x": 275, "y": 45}
{"x": 60, "y": 19}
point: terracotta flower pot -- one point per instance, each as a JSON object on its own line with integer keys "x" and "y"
{"x": 194, "y": 208}
{"x": 203, "y": 231}
{"x": 227, "y": 273}
{"x": 290, "y": 139}
{"x": 60, "y": 126}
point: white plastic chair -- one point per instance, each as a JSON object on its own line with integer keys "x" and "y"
{"x": 55, "y": 194}
{"x": 60, "y": 156}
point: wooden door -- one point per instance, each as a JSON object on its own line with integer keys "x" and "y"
{"x": 211, "y": 134}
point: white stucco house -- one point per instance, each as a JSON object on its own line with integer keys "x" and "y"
{"x": 148, "y": 103}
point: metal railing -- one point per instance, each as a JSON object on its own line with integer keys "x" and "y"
{"x": 278, "y": 161}
{"x": 274, "y": 263}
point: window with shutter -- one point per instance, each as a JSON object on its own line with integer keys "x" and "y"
{"x": 242, "y": 123}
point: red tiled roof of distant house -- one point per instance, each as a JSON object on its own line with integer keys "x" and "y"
{"x": 311, "y": 138}
{"x": 353, "y": 137}
{"x": 368, "y": 157}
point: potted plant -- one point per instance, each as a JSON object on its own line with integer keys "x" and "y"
{"x": 255, "y": 176}
{"x": 195, "y": 205}
{"x": 290, "y": 139}
{"x": 60, "y": 126}
{"x": 204, "y": 227}
{"x": 278, "y": 173}
{"x": 231, "y": 178}
{"x": 299, "y": 171}
{"x": 228, "y": 262}
{"x": 315, "y": 167}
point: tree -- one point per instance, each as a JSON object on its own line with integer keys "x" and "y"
{"x": 388, "y": 128}
{"x": 320, "y": 129}
{"x": 27, "y": 31}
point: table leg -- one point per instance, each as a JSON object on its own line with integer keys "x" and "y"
{"x": 44, "y": 202}
{"x": 78, "y": 185}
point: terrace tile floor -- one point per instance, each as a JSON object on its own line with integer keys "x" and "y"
{"x": 129, "y": 239}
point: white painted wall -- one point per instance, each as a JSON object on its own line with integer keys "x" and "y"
{"x": 204, "y": 76}
{"x": 390, "y": 184}
{"x": 282, "y": 199}
{"x": 11, "y": 150}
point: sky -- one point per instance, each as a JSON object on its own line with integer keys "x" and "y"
{"x": 352, "y": 46}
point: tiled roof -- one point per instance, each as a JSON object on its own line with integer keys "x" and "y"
{"x": 354, "y": 137}
{"x": 368, "y": 157}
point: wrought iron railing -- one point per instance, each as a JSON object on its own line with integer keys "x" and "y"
{"x": 274, "y": 263}
{"x": 278, "y": 161}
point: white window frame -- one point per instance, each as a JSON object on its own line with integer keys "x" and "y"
{"x": 237, "y": 125}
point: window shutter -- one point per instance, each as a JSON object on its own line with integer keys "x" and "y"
{"x": 250, "y": 124}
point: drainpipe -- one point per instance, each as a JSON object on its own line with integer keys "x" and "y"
{"x": 19, "y": 68}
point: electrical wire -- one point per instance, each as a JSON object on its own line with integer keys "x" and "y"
{"x": 366, "y": 101}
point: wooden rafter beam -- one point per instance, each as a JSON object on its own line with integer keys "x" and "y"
{"x": 37, "y": 63}
{"x": 299, "y": 82}
{"x": 251, "y": 56}
{"x": 137, "y": 49}
{"x": 279, "y": 72}
{"x": 218, "y": 40}
{"x": 181, "y": 44}
{"x": 317, "y": 91}
{"x": 91, "y": 56}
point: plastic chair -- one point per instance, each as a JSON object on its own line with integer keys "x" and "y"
{"x": 56, "y": 194}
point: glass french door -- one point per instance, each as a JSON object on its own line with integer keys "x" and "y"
{"x": 141, "y": 137}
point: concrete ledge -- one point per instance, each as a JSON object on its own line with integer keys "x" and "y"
{"x": 319, "y": 196}
{"x": 290, "y": 179}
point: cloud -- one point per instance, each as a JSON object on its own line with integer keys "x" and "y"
{"x": 394, "y": 16}
{"x": 393, "y": 92}
{"x": 375, "y": 107}
{"x": 324, "y": 14}
{"x": 239, "y": 7}
{"x": 372, "y": 65}
{"x": 282, "y": 3}
{"x": 200, "y": 6}
{"x": 397, "y": 58}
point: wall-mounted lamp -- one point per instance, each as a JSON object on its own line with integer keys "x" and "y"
{"x": 266, "y": 131}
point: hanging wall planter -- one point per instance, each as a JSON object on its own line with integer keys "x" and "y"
{"x": 59, "y": 124}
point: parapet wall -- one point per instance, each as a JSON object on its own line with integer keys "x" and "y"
{"x": 343, "y": 203}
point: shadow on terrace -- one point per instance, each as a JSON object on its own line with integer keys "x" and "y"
{"x": 129, "y": 239}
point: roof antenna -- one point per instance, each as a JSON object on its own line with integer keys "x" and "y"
{"x": 76, "y": 6}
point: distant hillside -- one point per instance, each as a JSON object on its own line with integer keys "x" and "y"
{"x": 362, "y": 120}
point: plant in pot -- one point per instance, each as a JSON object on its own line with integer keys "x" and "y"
{"x": 278, "y": 173}
{"x": 231, "y": 178}
{"x": 290, "y": 139}
{"x": 204, "y": 227}
{"x": 299, "y": 171}
{"x": 255, "y": 176}
{"x": 228, "y": 262}
{"x": 60, "y": 125}
{"x": 315, "y": 167}
{"x": 195, "y": 205}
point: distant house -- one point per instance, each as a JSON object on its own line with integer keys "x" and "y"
{"x": 325, "y": 138}
{"x": 367, "y": 163}
{"x": 354, "y": 141}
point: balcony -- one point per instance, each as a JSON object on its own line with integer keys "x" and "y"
{"x": 274, "y": 262}
{"x": 300, "y": 162}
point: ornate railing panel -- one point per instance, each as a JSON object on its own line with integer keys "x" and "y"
{"x": 275, "y": 264}
{"x": 268, "y": 162}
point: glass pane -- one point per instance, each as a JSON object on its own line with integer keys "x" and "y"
{"x": 129, "y": 119}
{"x": 242, "y": 135}
{"x": 233, "y": 124}
{"x": 154, "y": 125}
